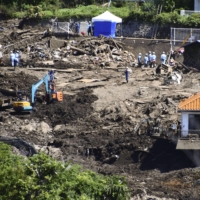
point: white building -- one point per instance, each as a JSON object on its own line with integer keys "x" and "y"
{"x": 190, "y": 123}
{"x": 190, "y": 12}
{"x": 190, "y": 115}
{"x": 196, "y": 5}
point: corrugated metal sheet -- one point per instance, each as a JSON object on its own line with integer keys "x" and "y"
{"x": 192, "y": 103}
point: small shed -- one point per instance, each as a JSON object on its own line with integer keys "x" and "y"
{"x": 192, "y": 54}
{"x": 190, "y": 123}
{"x": 105, "y": 24}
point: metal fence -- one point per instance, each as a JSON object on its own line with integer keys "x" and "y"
{"x": 184, "y": 35}
{"x": 61, "y": 27}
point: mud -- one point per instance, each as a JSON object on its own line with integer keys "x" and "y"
{"x": 112, "y": 119}
{"x": 72, "y": 108}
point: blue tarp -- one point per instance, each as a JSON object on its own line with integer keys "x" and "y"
{"x": 104, "y": 28}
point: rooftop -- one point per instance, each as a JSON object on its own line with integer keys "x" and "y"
{"x": 190, "y": 104}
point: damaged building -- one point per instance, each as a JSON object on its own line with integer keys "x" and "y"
{"x": 192, "y": 54}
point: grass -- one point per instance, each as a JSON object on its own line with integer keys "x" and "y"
{"x": 126, "y": 12}
{"x": 80, "y": 12}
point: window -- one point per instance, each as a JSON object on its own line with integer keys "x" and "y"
{"x": 194, "y": 122}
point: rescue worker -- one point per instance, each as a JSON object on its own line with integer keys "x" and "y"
{"x": 89, "y": 29}
{"x": 17, "y": 58}
{"x": 51, "y": 75}
{"x": 153, "y": 60}
{"x": 146, "y": 59}
{"x": 12, "y": 59}
{"x": 171, "y": 62}
{"x": 163, "y": 58}
{"x": 92, "y": 29}
{"x": 139, "y": 60}
{"x": 149, "y": 58}
{"x": 52, "y": 86}
{"x": 173, "y": 55}
{"x": 77, "y": 25}
{"x": 20, "y": 97}
{"x": 127, "y": 73}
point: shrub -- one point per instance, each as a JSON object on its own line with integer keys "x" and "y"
{"x": 34, "y": 12}
{"x": 41, "y": 177}
{"x": 7, "y": 11}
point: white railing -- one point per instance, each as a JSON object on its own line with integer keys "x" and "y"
{"x": 183, "y": 36}
{"x": 61, "y": 27}
{"x": 188, "y": 12}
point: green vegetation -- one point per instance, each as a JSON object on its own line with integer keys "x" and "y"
{"x": 66, "y": 9}
{"x": 41, "y": 177}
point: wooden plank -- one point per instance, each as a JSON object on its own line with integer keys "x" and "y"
{"x": 86, "y": 80}
{"x": 58, "y": 70}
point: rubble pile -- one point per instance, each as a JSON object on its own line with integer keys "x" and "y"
{"x": 87, "y": 53}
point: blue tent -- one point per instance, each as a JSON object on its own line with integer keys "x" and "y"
{"x": 105, "y": 24}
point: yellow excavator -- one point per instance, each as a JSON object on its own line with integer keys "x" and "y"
{"x": 23, "y": 104}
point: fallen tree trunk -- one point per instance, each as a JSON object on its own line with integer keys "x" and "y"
{"x": 79, "y": 50}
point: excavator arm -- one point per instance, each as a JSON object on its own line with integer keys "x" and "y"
{"x": 51, "y": 94}
{"x": 34, "y": 88}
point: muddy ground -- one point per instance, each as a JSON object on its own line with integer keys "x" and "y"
{"x": 108, "y": 117}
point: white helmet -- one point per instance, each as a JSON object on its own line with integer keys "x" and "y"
{"x": 153, "y": 52}
{"x": 149, "y": 52}
{"x": 140, "y": 54}
{"x": 163, "y": 52}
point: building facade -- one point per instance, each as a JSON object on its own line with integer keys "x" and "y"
{"x": 190, "y": 116}
{"x": 196, "y": 5}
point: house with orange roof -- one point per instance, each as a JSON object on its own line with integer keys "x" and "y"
{"x": 189, "y": 137}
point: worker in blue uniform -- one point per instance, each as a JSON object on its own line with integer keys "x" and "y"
{"x": 51, "y": 81}
{"x": 163, "y": 58}
{"x": 127, "y": 73}
{"x": 149, "y": 58}
{"x": 51, "y": 75}
{"x": 153, "y": 60}
{"x": 146, "y": 59}
{"x": 77, "y": 25}
{"x": 17, "y": 58}
{"x": 139, "y": 60}
{"x": 12, "y": 59}
{"x": 89, "y": 29}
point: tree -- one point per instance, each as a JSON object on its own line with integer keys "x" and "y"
{"x": 40, "y": 177}
{"x": 12, "y": 174}
{"x": 170, "y": 5}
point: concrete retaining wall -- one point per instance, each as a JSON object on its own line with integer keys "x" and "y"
{"x": 129, "y": 29}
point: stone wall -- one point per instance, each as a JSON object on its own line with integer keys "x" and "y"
{"x": 129, "y": 29}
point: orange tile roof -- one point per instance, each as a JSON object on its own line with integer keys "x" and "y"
{"x": 191, "y": 103}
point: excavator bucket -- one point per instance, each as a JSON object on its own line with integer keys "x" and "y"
{"x": 188, "y": 144}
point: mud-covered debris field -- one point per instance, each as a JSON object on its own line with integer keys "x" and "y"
{"x": 117, "y": 122}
